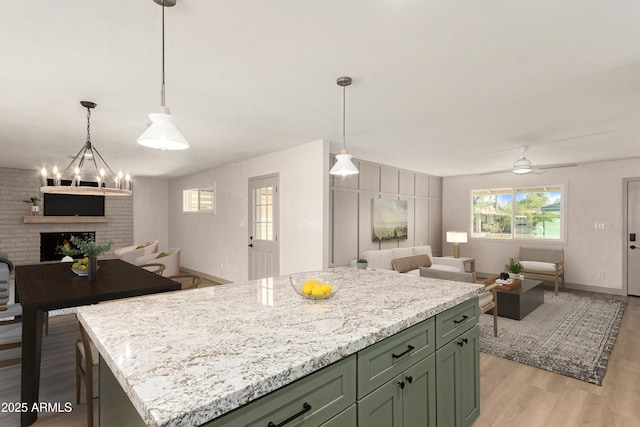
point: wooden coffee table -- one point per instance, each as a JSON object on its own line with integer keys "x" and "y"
{"x": 519, "y": 302}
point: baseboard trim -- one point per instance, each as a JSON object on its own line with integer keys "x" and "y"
{"x": 206, "y": 276}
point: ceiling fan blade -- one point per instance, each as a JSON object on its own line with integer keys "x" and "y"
{"x": 494, "y": 172}
{"x": 556, "y": 165}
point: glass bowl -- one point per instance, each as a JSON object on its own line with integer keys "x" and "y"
{"x": 312, "y": 284}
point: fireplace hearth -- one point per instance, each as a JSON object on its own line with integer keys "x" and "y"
{"x": 54, "y": 246}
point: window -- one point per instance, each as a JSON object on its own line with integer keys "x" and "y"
{"x": 199, "y": 200}
{"x": 263, "y": 213}
{"x": 520, "y": 213}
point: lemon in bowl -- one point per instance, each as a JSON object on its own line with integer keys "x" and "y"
{"x": 316, "y": 284}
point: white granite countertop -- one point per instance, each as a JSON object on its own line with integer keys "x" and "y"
{"x": 186, "y": 357}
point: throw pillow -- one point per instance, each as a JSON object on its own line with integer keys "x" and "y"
{"x": 162, "y": 255}
{"x": 409, "y": 263}
{"x": 139, "y": 246}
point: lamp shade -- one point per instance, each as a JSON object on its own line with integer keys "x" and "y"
{"x": 456, "y": 237}
{"x": 344, "y": 166}
{"x": 163, "y": 134}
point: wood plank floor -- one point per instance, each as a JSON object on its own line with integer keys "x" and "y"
{"x": 512, "y": 394}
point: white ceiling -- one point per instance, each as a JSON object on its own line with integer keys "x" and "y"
{"x": 443, "y": 87}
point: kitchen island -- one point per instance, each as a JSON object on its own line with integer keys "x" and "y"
{"x": 186, "y": 358}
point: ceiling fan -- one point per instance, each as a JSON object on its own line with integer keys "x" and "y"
{"x": 523, "y": 166}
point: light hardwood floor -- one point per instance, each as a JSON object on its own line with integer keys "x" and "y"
{"x": 512, "y": 394}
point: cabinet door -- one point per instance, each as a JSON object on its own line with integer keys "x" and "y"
{"x": 448, "y": 384}
{"x": 458, "y": 380}
{"x": 470, "y": 377}
{"x": 346, "y": 418}
{"x": 419, "y": 396}
{"x": 383, "y": 406}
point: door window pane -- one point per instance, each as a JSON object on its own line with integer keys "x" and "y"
{"x": 263, "y": 213}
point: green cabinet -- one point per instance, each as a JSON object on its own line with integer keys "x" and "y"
{"x": 407, "y": 400}
{"x": 309, "y": 401}
{"x": 348, "y": 417}
{"x": 423, "y": 376}
{"x": 458, "y": 380}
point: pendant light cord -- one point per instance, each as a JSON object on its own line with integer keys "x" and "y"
{"x": 344, "y": 138}
{"x": 162, "y": 96}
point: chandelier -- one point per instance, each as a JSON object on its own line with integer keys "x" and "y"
{"x": 70, "y": 180}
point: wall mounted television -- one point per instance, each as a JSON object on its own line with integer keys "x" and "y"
{"x": 73, "y": 204}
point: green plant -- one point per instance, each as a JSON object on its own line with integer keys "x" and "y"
{"x": 513, "y": 266}
{"x": 362, "y": 261}
{"x": 88, "y": 247}
{"x": 33, "y": 200}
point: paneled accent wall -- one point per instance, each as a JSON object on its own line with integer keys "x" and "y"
{"x": 22, "y": 241}
{"x": 350, "y": 208}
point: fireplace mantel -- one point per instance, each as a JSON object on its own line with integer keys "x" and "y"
{"x": 63, "y": 219}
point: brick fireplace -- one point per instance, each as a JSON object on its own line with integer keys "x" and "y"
{"x": 54, "y": 245}
{"x": 20, "y": 239}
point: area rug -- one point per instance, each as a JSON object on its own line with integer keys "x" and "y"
{"x": 570, "y": 334}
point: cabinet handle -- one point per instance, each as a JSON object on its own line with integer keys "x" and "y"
{"x": 465, "y": 317}
{"x": 463, "y": 341}
{"x": 398, "y": 356}
{"x": 409, "y": 379}
{"x": 401, "y": 384}
{"x": 305, "y": 408}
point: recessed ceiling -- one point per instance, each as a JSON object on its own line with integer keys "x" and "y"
{"x": 441, "y": 87}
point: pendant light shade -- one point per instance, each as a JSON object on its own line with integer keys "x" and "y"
{"x": 344, "y": 166}
{"x": 163, "y": 134}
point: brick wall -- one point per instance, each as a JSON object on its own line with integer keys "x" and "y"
{"x": 22, "y": 241}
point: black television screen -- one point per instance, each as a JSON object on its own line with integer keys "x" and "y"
{"x": 73, "y": 205}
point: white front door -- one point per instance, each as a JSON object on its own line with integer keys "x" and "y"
{"x": 633, "y": 237}
{"x": 264, "y": 247}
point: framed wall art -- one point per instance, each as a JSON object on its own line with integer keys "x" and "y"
{"x": 389, "y": 219}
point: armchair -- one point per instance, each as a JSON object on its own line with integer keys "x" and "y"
{"x": 131, "y": 253}
{"x": 170, "y": 259}
{"x": 543, "y": 262}
{"x": 488, "y": 300}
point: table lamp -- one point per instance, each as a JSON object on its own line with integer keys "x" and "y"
{"x": 456, "y": 237}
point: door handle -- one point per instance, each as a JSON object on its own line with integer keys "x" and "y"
{"x": 250, "y": 245}
{"x": 632, "y": 247}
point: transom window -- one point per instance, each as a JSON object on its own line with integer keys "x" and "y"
{"x": 199, "y": 199}
{"x": 518, "y": 213}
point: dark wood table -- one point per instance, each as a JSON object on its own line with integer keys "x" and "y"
{"x": 44, "y": 287}
{"x": 519, "y": 302}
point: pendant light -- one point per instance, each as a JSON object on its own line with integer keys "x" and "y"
{"x": 163, "y": 134}
{"x": 344, "y": 166}
{"x": 69, "y": 181}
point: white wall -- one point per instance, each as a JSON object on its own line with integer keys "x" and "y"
{"x": 151, "y": 211}
{"x": 217, "y": 244}
{"x": 594, "y": 193}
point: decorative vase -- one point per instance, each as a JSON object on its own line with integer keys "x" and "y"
{"x": 92, "y": 271}
{"x": 35, "y": 210}
{"x": 362, "y": 265}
